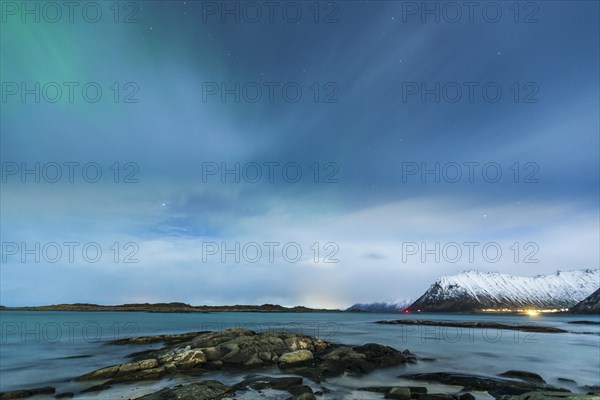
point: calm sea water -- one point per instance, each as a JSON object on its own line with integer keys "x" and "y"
{"x": 51, "y": 348}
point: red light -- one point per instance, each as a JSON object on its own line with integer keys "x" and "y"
{"x": 406, "y": 311}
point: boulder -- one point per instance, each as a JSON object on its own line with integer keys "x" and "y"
{"x": 304, "y": 396}
{"x": 187, "y": 358}
{"x": 402, "y": 393}
{"x": 346, "y": 360}
{"x": 409, "y": 357}
{"x": 381, "y": 356}
{"x": 495, "y": 386}
{"x": 298, "y": 390}
{"x": 206, "y": 390}
{"x": 65, "y": 395}
{"x": 96, "y": 388}
{"x": 343, "y": 352}
{"x": 141, "y": 375}
{"x": 550, "y": 395}
{"x": 295, "y": 357}
{"x": 566, "y": 380}
{"x": 593, "y": 389}
{"x": 260, "y": 382}
{"x": 524, "y": 376}
{"x": 437, "y": 396}
{"x": 120, "y": 370}
{"x": 414, "y": 392}
{"x": 21, "y": 394}
{"x": 102, "y": 373}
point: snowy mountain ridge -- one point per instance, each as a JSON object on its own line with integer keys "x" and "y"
{"x": 384, "y": 306}
{"x": 472, "y": 290}
{"x": 589, "y": 305}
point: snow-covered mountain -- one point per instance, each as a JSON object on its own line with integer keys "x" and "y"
{"x": 473, "y": 290}
{"x": 383, "y": 307}
{"x": 589, "y": 305}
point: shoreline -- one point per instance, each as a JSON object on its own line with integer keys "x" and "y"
{"x": 264, "y": 308}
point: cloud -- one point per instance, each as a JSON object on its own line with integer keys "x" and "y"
{"x": 348, "y": 265}
{"x": 374, "y": 256}
{"x": 368, "y": 221}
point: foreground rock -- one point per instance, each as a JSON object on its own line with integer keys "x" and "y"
{"x": 495, "y": 386}
{"x": 523, "y": 375}
{"x": 241, "y": 349}
{"x": 354, "y": 361}
{"x": 206, "y": 390}
{"x": 122, "y": 370}
{"x": 480, "y": 325}
{"x": 212, "y": 389}
{"x": 21, "y": 394}
{"x": 167, "y": 339}
{"x": 295, "y": 357}
{"x": 398, "y": 392}
{"x": 548, "y": 395}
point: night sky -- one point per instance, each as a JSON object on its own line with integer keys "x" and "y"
{"x": 358, "y": 96}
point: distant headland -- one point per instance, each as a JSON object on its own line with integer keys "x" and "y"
{"x": 170, "y": 308}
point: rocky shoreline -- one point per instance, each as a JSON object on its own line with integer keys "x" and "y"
{"x": 479, "y": 325}
{"x": 302, "y": 363}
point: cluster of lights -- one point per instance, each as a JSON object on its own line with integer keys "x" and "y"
{"x": 530, "y": 312}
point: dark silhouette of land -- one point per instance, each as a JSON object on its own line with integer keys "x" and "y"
{"x": 169, "y": 308}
